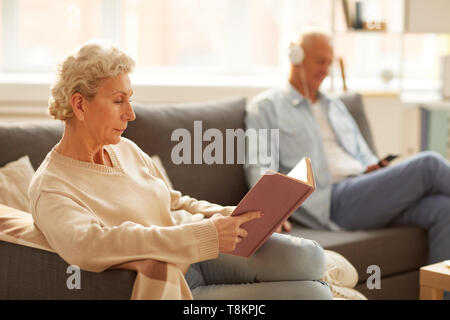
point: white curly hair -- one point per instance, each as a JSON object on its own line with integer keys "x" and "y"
{"x": 82, "y": 71}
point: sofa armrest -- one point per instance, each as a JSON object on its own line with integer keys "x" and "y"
{"x": 29, "y": 269}
{"x": 31, "y": 273}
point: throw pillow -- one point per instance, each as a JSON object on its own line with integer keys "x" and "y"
{"x": 15, "y": 177}
{"x": 18, "y": 227}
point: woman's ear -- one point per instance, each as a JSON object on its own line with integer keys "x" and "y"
{"x": 78, "y": 103}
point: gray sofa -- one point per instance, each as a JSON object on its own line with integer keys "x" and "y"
{"x": 28, "y": 273}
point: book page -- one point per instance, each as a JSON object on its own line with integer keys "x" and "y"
{"x": 300, "y": 171}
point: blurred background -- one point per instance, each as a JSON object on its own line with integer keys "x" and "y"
{"x": 225, "y": 38}
{"x": 393, "y": 52}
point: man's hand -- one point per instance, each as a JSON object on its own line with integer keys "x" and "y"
{"x": 286, "y": 226}
{"x": 229, "y": 229}
{"x": 376, "y": 166}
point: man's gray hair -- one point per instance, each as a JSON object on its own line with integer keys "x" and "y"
{"x": 307, "y": 36}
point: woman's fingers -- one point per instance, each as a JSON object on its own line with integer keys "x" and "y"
{"x": 245, "y": 217}
{"x": 229, "y": 230}
{"x": 242, "y": 233}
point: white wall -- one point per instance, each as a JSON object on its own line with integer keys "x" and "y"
{"x": 395, "y": 125}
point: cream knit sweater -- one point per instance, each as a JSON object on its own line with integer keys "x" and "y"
{"x": 96, "y": 217}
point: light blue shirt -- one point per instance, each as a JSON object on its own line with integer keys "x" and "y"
{"x": 299, "y": 136}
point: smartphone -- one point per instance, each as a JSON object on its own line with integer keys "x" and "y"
{"x": 388, "y": 158}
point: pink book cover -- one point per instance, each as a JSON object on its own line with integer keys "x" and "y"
{"x": 277, "y": 196}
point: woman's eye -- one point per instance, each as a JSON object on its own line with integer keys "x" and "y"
{"x": 122, "y": 101}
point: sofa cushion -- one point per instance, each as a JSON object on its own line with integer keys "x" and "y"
{"x": 15, "y": 178}
{"x": 353, "y": 102}
{"x": 223, "y": 184}
{"x": 395, "y": 250}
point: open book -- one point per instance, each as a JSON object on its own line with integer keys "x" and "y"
{"x": 277, "y": 196}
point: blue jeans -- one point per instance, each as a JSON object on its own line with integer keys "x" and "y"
{"x": 414, "y": 192}
{"x": 284, "y": 267}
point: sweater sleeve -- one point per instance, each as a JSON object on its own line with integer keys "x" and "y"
{"x": 80, "y": 238}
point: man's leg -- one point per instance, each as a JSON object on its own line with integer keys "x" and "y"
{"x": 374, "y": 200}
{"x": 433, "y": 214}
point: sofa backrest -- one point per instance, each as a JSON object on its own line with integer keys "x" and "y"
{"x": 34, "y": 139}
{"x": 226, "y": 183}
{"x": 353, "y": 102}
{"x": 152, "y": 130}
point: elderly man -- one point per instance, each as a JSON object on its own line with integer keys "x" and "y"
{"x": 353, "y": 192}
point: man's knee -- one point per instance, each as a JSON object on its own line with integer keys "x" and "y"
{"x": 429, "y": 165}
{"x": 430, "y": 159}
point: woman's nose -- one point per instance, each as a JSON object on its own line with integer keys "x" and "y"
{"x": 129, "y": 115}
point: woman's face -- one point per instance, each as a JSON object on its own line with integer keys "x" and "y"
{"x": 108, "y": 113}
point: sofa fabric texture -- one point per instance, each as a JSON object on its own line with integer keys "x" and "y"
{"x": 30, "y": 272}
{"x": 152, "y": 131}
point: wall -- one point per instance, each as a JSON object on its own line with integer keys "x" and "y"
{"x": 396, "y": 125}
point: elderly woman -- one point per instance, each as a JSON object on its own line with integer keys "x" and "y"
{"x": 101, "y": 201}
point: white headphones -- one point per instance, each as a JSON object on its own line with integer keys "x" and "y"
{"x": 296, "y": 53}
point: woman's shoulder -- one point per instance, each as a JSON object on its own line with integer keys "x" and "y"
{"x": 47, "y": 177}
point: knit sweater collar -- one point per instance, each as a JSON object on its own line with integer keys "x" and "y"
{"x": 117, "y": 168}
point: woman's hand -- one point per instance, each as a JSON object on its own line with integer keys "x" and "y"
{"x": 229, "y": 229}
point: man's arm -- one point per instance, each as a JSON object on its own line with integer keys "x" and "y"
{"x": 261, "y": 152}
{"x": 258, "y": 116}
{"x": 364, "y": 154}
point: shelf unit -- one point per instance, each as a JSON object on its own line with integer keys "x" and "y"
{"x": 424, "y": 125}
{"x": 374, "y": 53}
